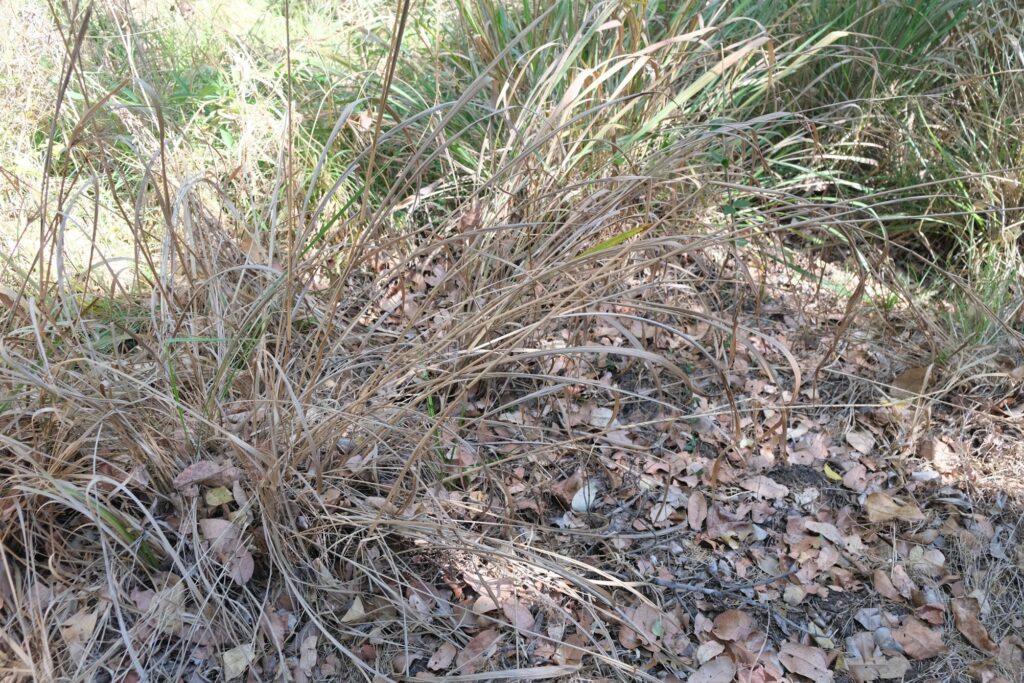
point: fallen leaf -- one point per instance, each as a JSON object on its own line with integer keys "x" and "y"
{"x": 77, "y": 630}
{"x": 940, "y": 454}
{"x": 518, "y": 614}
{"x": 866, "y": 663}
{"x": 628, "y": 638}
{"x": 307, "y": 654}
{"x": 709, "y": 650}
{"x": 367, "y": 652}
{"x": 661, "y": 513}
{"x": 966, "y": 614}
{"x": 807, "y": 661}
{"x": 1011, "y": 653}
{"x": 861, "y": 440}
{"x": 356, "y": 612}
{"x": 566, "y": 489}
{"x": 484, "y": 604}
{"x": 237, "y": 660}
{"x": 718, "y": 670}
{"x": 274, "y": 624}
{"x": 226, "y": 540}
{"x": 902, "y": 581}
{"x": 930, "y": 562}
{"x": 570, "y": 652}
{"x": 696, "y": 510}
{"x": 733, "y": 624}
{"x": 442, "y": 657}
{"x": 476, "y": 651}
{"x": 764, "y": 487}
{"x": 918, "y": 640}
{"x": 828, "y": 531}
{"x": 651, "y": 624}
{"x": 207, "y": 473}
{"x": 911, "y": 382}
{"x": 932, "y": 612}
{"x": 882, "y": 507}
{"x": 166, "y": 611}
{"x": 856, "y": 478}
{"x": 793, "y": 594}
{"x": 218, "y": 496}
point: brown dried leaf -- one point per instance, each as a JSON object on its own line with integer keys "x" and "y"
{"x": 274, "y": 624}
{"x": 661, "y": 513}
{"x": 866, "y": 663}
{"x": 902, "y": 581}
{"x": 966, "y": 613}
{"x": 1011, "y": 653}
{"x": 442, "y": 657}
{"x": 718, "y": 670}
{"x": 307, "y": 654}
{"x": 733, "y": 624}
{"x": 861, "y": 440}
{"x": 932, "y": 612}
{"x": 77, "y": 631}
{"x": 807, "y": 661}
{"x": 357, "y": 612}
{"x": 476, "y": 651}
{"x": 628, "y": 637}
{"x": 882, "y": 507}
{"x": 910, "y": 383}
{"x": 828, "y": 531}
{"x": 167, "y": 607}
{"x": 518, "y": 614}
{"x": 237, "y": 660}
{"x": 207, "y": 473}
{"x": 856, "y": 478}
{"x": 940, "y": 454}
{"x": 696, "y": 510}
{"x": 567, "y": 488}
{"x": 764, "y": 487}
{"x": 930, "y": 562}
{"x": 709, "y": 650}
{"x": 570, "y": 652}
{"x": 226, "y": 540}
{"x": 918, "y": 640}
{"x": 651, "y": 624}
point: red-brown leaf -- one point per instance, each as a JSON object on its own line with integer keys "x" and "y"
{"x": 476, "y": 651}
{"x": 919, "y": 641}
{"x": 966, "y": 613}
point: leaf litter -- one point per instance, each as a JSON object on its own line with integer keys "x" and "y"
{"x": 590, "y": 508}
{"x": 713, "y": 558}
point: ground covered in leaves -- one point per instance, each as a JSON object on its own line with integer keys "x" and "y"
{"x": 647, "y": 497}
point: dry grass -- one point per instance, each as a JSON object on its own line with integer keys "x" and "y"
{"x": 402, "y": 357}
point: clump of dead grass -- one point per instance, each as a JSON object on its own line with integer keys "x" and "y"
{"x": 397, "y": 365}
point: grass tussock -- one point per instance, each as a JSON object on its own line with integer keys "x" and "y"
{"x": 309, "y": 315}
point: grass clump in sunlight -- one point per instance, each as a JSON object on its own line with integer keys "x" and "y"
{"x": 308, "y": 316}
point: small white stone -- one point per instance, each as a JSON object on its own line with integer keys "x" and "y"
{"x": 586, "y": 497}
